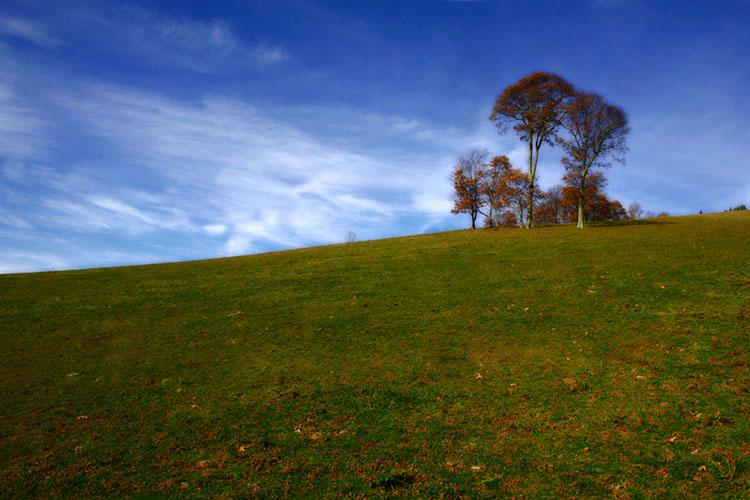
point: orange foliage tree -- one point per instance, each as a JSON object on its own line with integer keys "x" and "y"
{"x": 505, "y": 191}
{"x": 467, "y": 184}
{"x": 491, "y": 188}
{"x": 596, "y": 133}
{"x": 597, "y": 207}
{"x": 549, "y": 209}
{"x": 534, "y": 107}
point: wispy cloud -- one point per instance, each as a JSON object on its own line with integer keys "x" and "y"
{"x": 205, "y": 46}
{"x": 227, "y": 172}
{"x": 21, "y": 128}
{"x": 12, "y": 261}
{"x": 260, "y": 178}
{"x": 201, "y": 46}
{"x": 28, "y": 30}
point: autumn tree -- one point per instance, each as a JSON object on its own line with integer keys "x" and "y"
{"x": 513, "y": 188}
{"x": 492, "y": 188}
{"x": 548, "y": 211}
{"x": 467, "y": 183}
{"x": 508, "y": 219}
{"x": 597, "y": 206}
{"x": 596, "y": 134}
{"x": 518, "y": 196}
{"x": 534, "y": 107}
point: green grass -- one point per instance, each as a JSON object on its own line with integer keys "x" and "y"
{"x": 551, "y": 362}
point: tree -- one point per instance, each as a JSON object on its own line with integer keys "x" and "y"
{"x": 534, "y": 106}
{"x": 467, "y": 181}
{"x": 617, "y": 211}
{"x": 597, "y": 133}
{"x": 634, "y": 211}
{"x": 570, "y": 192}
{"x": 508, "y": 219}
{"x": 515, "y": 193}
{"x": 549, "y": 210}
{"x": 597, "y": 206}
{"x": 491, "y": 187}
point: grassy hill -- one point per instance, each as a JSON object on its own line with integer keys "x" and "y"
{"x": 613, "y": 360}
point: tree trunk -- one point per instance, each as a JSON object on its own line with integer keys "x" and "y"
{"x": 532, "y": 179}
{"x": 527, "y": 223}
{"x": 581, "y": 194}
{"x": 530, "y": 208}
{"x": 473, "y": 220}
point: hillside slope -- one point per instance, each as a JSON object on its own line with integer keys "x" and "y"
{"x": 544, "y": 362}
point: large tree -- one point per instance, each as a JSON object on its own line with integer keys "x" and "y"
{"x": 534, "y": 107}
{"x": 597, "y": 133}
{"x": 467, "y": 183}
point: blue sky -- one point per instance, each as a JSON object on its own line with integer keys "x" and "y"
{"x": 143, "y": 132}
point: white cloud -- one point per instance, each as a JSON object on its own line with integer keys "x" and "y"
{"x": 268, "y": 54}
{"x": 21, "y": 129}
{"x": 237, "y": 245}
{"x": 12, "y": 261}
{"x": 215, "y": 229}
{"x": 212, "y": 46}
{"x": 200, "y": 45}
{"x": 432, "y": 203}
{"x": 28, "y": 30}
{"x": 246, "y": 175}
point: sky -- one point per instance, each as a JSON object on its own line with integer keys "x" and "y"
{"x": 139, "y": 132}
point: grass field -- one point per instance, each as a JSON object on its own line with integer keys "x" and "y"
{"x": 551, "y": 362}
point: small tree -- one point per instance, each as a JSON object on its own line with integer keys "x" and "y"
{"x": 571, "y": 195}
{"x": 491, "y": 188}
{"x": 515, "y": 193}
{"x": 597, "y": 133}
{"x": 508, "y": 219}
{"x": 597, "y": 206}
{"x": 467, "y": 182}
{"x": 634, "y": 211}
{"x": 534, "y": 106}
{"x": 548, "y": 211}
